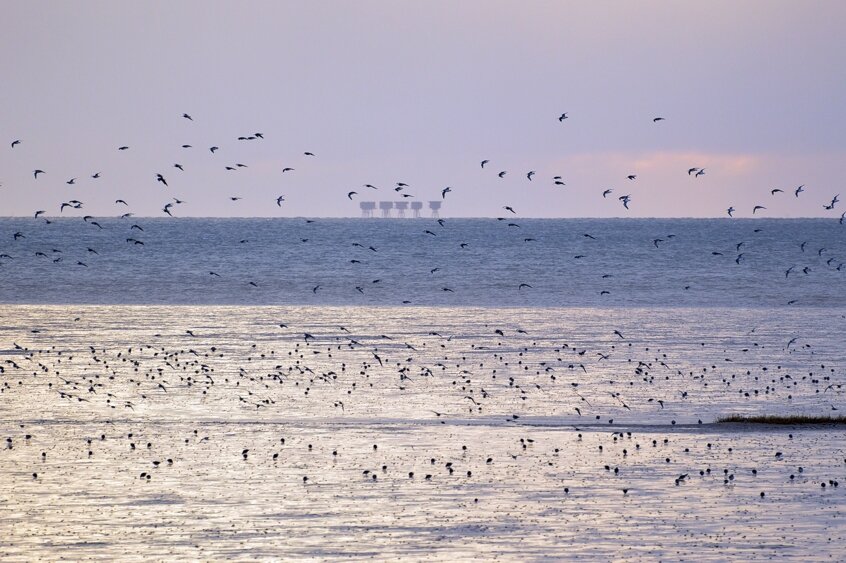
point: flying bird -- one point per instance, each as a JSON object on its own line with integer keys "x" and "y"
{"x": 530, "y": 174}
{"x": 349, "y": 195}
{"x": 485, "y": 162}
{"x": 657, "y": 119}
{"x": 606, "y": 192}
{"x": 562, "y": 117}
{"x": 799, "y": 190}
{"x": 35, "y": 173}
{"x": 502, "y": 174}
{"x": 160, "y": 178}
{"x": 16, "y": 142}
{"x": 188, "y": 117}
{"x": 445, "y": 191}
{"x": 756, "y": 208}
{"x": 730, "y": 210}
{"x": 279, "y": 200}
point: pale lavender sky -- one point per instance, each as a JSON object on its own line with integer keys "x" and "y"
{"x": 421, "y": 92}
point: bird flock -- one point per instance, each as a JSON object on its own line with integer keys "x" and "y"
{"x": 694, "y": 172}
{"x": 461, "y": 425}
{"x": 409, "y": 413}
{"x": 133, "y": 233}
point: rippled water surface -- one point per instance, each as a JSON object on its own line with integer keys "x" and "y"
{"x": 419, "y": 433}
{"x": 462, "y": 262}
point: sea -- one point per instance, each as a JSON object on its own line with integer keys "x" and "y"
{"x": 414, "y": 389}
{"x": 605, "y": 263}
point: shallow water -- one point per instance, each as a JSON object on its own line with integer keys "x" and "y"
{"x": 447, "y": 381}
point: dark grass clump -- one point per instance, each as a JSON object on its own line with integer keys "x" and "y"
{"x": 782, "y": 419}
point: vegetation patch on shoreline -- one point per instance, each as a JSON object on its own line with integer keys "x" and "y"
{"x": 781, "y": 419}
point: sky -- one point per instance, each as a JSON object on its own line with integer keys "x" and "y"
{"x": 421, "y": 92}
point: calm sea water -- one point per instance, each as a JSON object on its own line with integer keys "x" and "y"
{"x": 153, "y": 411}
{"x": 651, "y": 263}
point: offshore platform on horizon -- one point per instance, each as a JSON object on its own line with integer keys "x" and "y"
{"x": 368, "y": 208}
